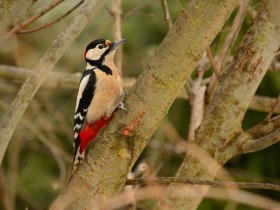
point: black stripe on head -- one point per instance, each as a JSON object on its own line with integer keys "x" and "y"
{"x": 94, "y": 43}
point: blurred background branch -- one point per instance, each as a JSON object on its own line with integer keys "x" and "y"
{"x": 64, "y": 80}
{"x": 170, "y": 180}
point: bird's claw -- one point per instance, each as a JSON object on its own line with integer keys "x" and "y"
{"x": 121, "y": 106}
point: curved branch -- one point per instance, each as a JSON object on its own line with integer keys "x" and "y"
{"x": 216, "y": 183}
{"x": 26, "y": 31}
{"x": 259, "y": 137}
{"x": 261, "y": 143}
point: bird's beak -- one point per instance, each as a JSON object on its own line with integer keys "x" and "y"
{"x": 116, "y": 44}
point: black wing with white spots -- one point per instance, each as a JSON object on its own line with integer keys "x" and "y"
{"x": 84, "y": 98}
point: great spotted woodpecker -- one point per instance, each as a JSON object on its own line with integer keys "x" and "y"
{"x": 100, "y": 93}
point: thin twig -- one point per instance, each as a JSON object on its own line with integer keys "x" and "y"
{"x": 169, "y": 180}
{"x": 52, "y": 22}
{"x": 273, "y": 108}
{"x": 38, "y": 15}
{"x": 134, "y": 10}
{"x": 244, "y": 4}
{"x": 166, "y": 13}
{"x": 212, "y": 61}
{"x": 30, "y": 20}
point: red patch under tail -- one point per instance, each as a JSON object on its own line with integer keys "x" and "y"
{"x": 90, "y": 132}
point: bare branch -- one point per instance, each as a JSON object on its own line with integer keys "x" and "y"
{"x": 243, "y": 6}
{"x": 47, "y": 25}
{"x": 260, "y": 136}
{"x": 262, "y": 143}
{"x": 37, "y": 16}
{"x": 212, "y": 61}
{"x": 32, "y": 19}
{"x": 264, "y": 104}
{"x": 216, "y": 183}
{"x": 117, "y": 13}
{"x": 273, "y": 108}
{"x": 136, "y": 9}
{"x": 166, "y": 13}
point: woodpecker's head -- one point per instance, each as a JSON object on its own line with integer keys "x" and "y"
{"x": 100, "y": 50}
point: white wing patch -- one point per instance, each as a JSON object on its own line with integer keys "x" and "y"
{"x": 78, "y": 160}
{"x": 82, "y": 86}
{"x": 79, "y": 115}
{"x": 78, "y": 126}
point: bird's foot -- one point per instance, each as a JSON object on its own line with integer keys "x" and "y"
{"x": 121, "y": 104}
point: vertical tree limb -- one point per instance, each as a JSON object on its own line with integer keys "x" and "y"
{"x": 117, "y": 12}
{"x": 236, "y": 25}
{"x": 166, "y": 13}
{"x": 104, "y": 171}
{"x": 222, "y": 121}
{"x": 44, "y": 66}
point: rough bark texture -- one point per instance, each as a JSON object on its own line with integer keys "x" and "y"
{"x": 106, "y": 166}
{"x": 44, "y": 66}
{"x": 222, "y": 121}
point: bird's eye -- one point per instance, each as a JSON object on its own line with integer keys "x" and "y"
{"x": 101, "y": 46}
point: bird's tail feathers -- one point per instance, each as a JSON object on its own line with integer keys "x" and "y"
{"x": 87, "y": 135}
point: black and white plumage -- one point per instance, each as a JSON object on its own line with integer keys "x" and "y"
{"x": 84, "y": 98}
{"x": 100, "y": 92}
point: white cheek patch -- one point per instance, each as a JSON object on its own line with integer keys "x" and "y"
{"x": 95, "y": 54}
